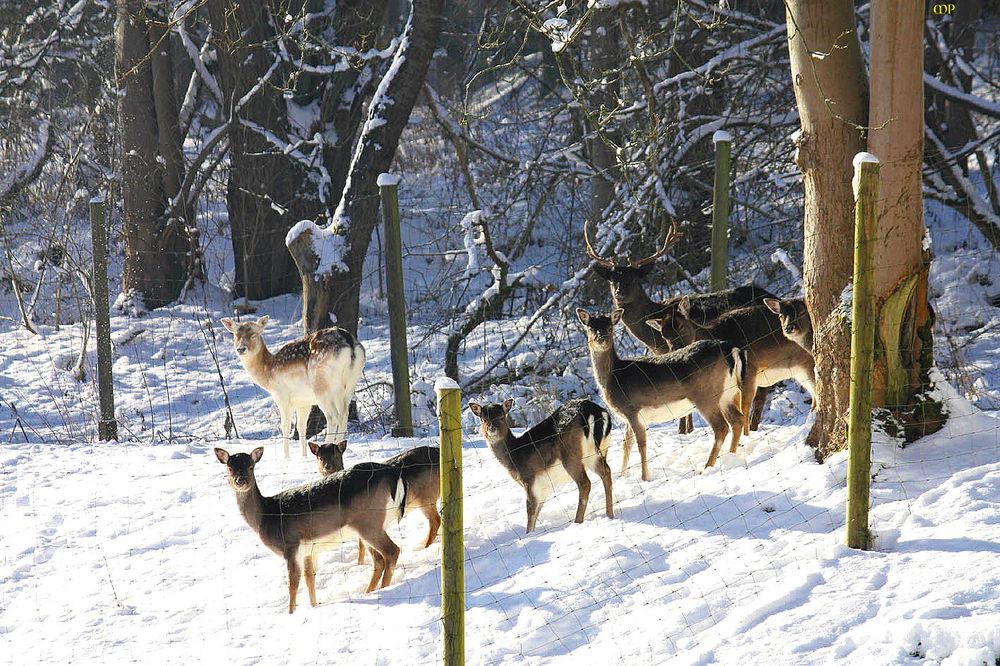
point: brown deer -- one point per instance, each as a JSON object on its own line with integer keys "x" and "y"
{"x": 420, "y": 469}
{"x": 795, "y": 322}
{"x": 771, "y": 357}
{"x": 320, "y": 369}
{"x": 559, "y": 449}
{"x": 625, "y": 279}
{"x": 705, "y": 375}
{"x": 300, "y": 523}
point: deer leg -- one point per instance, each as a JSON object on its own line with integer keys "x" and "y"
{"x": 735, "y": 419}
{"x": 717, "y": 421}
{"x": 757, "y": 413}
{"x": 748, "y": 399}
{"x": 578, "y": 473}
{"x": 294, "y": 575}
{"x": 285, "y": 416}
{"x": 627, "y": 447}
{"x": 301, "y": 421}
{"x": 378, "y": 566}
{"x": 433, "y": 522}
{"x": 361, "y": 552}
{"x": 534, "y": 506}
{"x": 310, "y": 567}
{"x": 388, "y": 553}
{"x": 639, "y": 432}
{"x": 604, "y": 471}
{"x": 333, "y": 425}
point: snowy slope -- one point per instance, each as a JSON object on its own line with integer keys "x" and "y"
{"x": 137, "y": 554}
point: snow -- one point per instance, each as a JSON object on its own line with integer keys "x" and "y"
{"x": 388, "y": 179}
{"x": 445, "y": 384}
{"x": 722, "y": 135}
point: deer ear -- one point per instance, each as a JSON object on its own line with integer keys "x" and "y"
{"x": 684, "y": 306}
{"x": 262, "y": 322}
{"x": 616, "y": 316}
{"x": 476, "y": 408}
{"x": 314, "y": 447}
{"x": 222, "y": 455}
{"x": 507, "y": 404}
{"x": 655, "y": 324}
{"x": 343, "y": 445}
{"x": 257, "y": 454}
{"x": 773, "y": 304}
{"x": 229, "y": 324}
{"x": 583, "y": 316}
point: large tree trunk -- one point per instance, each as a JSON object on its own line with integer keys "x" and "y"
{"x": 335, "y": 288}
{"x": 831, "y": 92}
{"x": 268, "y": 190}
{"x": 154, "y": 256}
{"x": 904, "y": 344}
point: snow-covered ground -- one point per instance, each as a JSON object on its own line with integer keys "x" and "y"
{"x": 137, "y": 554}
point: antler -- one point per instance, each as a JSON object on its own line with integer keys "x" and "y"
{"x": 672, "y": 237}
{"x": 603, "y": 261}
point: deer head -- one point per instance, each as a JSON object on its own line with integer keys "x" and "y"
{"x": 329, "y": 457}
{"x": 240, "y": 468}
{"x": 626, "y": 277}
{"x": 493, "y": 418}
{"x": 248, "y": 336}
{"x": 600, "y": 329}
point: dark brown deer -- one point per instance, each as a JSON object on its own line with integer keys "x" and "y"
{"x": 300, "y": 523}
{"x": 795, "y": 322}
{"x": 625, "y": 279}
{"x": 420, "y": 468}
{"x": 320, "y": 369}
{"x": 771, "y": 357}
{"x": 557, "y": 450}
{"x": 705, "y": 375}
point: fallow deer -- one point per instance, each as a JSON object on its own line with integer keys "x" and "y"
{"x": 320, "y": 369}
{"x": 559, "y": 449}
{"x": 420, "y": 468}
{"x": 795, "y": 322}
{"x": 300, "y": 523}
{"x": 771, "y": 357}
{"x": 705, "y": 375}
{"x": 625, "y": 280}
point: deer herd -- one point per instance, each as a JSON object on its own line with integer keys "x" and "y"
{"x": 716, "y": 353}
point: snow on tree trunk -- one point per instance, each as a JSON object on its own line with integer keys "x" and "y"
{"x": 831, "y": 92}
{"x": 904, "y": 346}
{"x": 330, "y": 259}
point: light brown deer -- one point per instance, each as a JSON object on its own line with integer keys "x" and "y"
{"x": 300, "y": 523}
{"x": 559, "y": 449}
{"x": 420, "y": 468}
{"x": 625, "y": 278}
{"x": 706, "y": 376}
{"x": 770, "y": 356}
{"x": 319, "y": 369}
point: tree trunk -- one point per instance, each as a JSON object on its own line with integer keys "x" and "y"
{"x": 831, "y": 92}
{"x": 904, "y": 344}
{"x": 154, "y": 258}
{"x": 336, "y": 289}
{"x": 268, "y": 191}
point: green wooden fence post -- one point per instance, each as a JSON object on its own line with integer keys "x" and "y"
{"x": 859, "y": 425}
{"x": 107, "y": 426}
{"x": 398, "y": 351}
{"x": 452, "y": 545}
{"x": 720, "y": 209}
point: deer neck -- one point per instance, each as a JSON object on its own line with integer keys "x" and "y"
{"x": 634, "y": 316}
{"x": 259, "y": 365}
{"x": 502, "y": 447}
{"x": 604, "y": 361}
{"x": 251, "y": 505}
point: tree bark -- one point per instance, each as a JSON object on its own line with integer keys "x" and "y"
{"x": 831, "y": 93}
{"x": 904, "y": 344}
{"x": 337, "y": 291}
{"x": 154, "y": 258}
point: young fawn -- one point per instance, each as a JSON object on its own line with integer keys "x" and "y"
{"x": 300, "y": 523}
{"x": 794, "y": 318}
{"x": 557, "y": 450}
{"x": 771, "y": 357}
{"x": 320, "y": 369}
{"x": 705, "y": 375}
{"x": 420, "y": 469}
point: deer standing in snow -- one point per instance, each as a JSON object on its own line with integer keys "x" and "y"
{"x": 300, "y": 523}
{"x": 319, "y": 369}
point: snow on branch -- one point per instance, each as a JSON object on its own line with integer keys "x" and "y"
{"x": 22, "y": 175}
{"x": 977, "y": 104}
